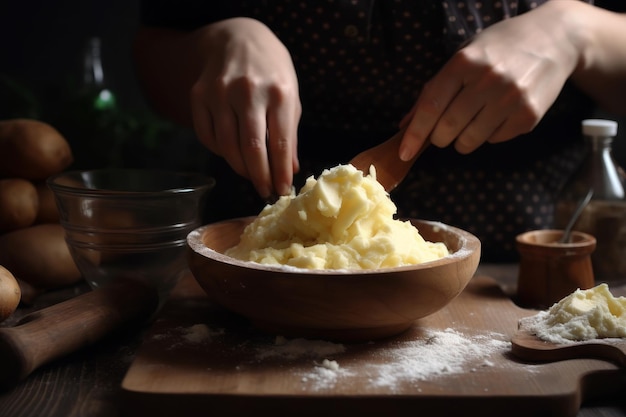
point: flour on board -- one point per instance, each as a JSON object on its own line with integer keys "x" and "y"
{"x": 436, "y": 353}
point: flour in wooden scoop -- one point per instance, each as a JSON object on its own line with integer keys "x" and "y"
{"x": 582, "y": 315}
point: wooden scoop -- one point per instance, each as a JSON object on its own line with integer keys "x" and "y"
{"x": 63, "y": 328}
{"x": 530, "y": 348}
{"x": 390, "y": 169}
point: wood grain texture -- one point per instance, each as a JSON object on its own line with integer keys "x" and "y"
{"x": 68, "y": 326}
{"x": 87, "y": 382}
{"x": 82, "y": 383}
{"x": 224, "y": 377}
{"x": 353, "y": 305}
{"x": 390, "y": 169}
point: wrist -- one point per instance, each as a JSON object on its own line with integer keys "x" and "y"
{"x": 576, "y": 18}
{"x": 243, "y": 27}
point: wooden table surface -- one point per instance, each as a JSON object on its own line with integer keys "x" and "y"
{"x": 87, "y": 382}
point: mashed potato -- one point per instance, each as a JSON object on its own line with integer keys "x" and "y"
{"x": 342, "y": 220}
{"x": 583, "y": 315}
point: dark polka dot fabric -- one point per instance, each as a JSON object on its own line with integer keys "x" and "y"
{"x": 361, "y": 65}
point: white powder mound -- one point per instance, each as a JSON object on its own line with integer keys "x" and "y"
{"x": 200, "y": 333}
{"x": 582, "y": 315}
{"x": 538, "y": 325}
{"x": 332, "y": 365}
{"x": 324, "y": 375}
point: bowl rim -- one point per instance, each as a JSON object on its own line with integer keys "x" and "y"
{"x": 531, "y": 238}
{"x": 469, "y": 245}
{"x": 200, "y": 182}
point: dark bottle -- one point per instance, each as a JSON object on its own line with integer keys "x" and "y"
{"x": 94, "y": 88}
{"x": 605, "y": 215}
{"x": 91, "y": 120}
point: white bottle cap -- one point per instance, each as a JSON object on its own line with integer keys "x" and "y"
{"x": 599, "y": 127}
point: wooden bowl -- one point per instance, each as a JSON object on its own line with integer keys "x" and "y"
{"x": 336, "y": 305}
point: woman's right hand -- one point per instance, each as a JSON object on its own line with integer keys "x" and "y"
{"x": 246, "y": 105}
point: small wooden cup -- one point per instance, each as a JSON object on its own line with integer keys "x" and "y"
{"x": 549, "y": 270}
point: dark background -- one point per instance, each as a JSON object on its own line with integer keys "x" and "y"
{"x": 42, "y": 41}
{"x": 41, "y": 55}
{"x": 41, "y": 47}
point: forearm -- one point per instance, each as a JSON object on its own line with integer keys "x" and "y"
{"x": 601, "y": 36}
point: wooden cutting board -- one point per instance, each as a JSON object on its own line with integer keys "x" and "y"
{"x": 199, "y": 360}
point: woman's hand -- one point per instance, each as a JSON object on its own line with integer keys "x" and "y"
{"x": 246, "y": 105}
{"x": 497, "y": 87}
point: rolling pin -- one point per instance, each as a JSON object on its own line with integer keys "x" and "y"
{"x": 66, "y": 327}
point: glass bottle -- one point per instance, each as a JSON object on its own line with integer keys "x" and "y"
{"x": 91, "y": 120}
{"x": 604, "y": 217}
{"x": 93, "y": 86}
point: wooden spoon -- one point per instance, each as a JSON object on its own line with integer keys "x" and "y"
{"x": 390, "y": 169}
{"x": 530, "y": 348}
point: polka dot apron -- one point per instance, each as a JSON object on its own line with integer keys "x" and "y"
{"x": 362, "y": 64}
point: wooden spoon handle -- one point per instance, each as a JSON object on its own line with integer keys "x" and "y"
{"x": 55, "y": 331}
{"x": 530, "y": 348}
{"x": 390, "y": 169}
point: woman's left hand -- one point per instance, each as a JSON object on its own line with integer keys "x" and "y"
{"x": 497, "y": 87}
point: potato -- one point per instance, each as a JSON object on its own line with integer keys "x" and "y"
{"x": 10, "y": 293}
{"x": 40, "y": 256}
{"x": 32, "y": 150}
{"x": 48, "y": 211}
{"x": 19, "y": 204}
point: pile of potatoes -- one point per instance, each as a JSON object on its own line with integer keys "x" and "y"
{"x": 33, "y": 252}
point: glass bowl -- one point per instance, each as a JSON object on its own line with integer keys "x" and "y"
{"x": 129, "y": 223}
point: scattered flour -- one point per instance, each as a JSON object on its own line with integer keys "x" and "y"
{"x": 324, "y": 375}
{"x": 195, "y": 334}
{"x": 200, "y": 333}
{"x": 441, "y": 352}
{"x": 437, "y": 353}
{"x": 332, "y": 365}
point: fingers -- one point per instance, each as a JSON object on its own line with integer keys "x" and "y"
{"x": 490, "y": 110}
{"x": 430, "y": 106}
{"x": 406, "y": 119}
{"x": 468, "y": 105}
{"x": 471, "y": 118}
{"x": 282, "y": 142}
{"x": 255, "y": 133}
{"x": 217, "y": 127}
{"x": 267, "y": 138}
{"x": 245, "y": 106}
{"x": 203, "y": 125}
{"x": 201, "y": 117}
{"x": 253, "y": 151}
{"x": 525, "y": 121}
